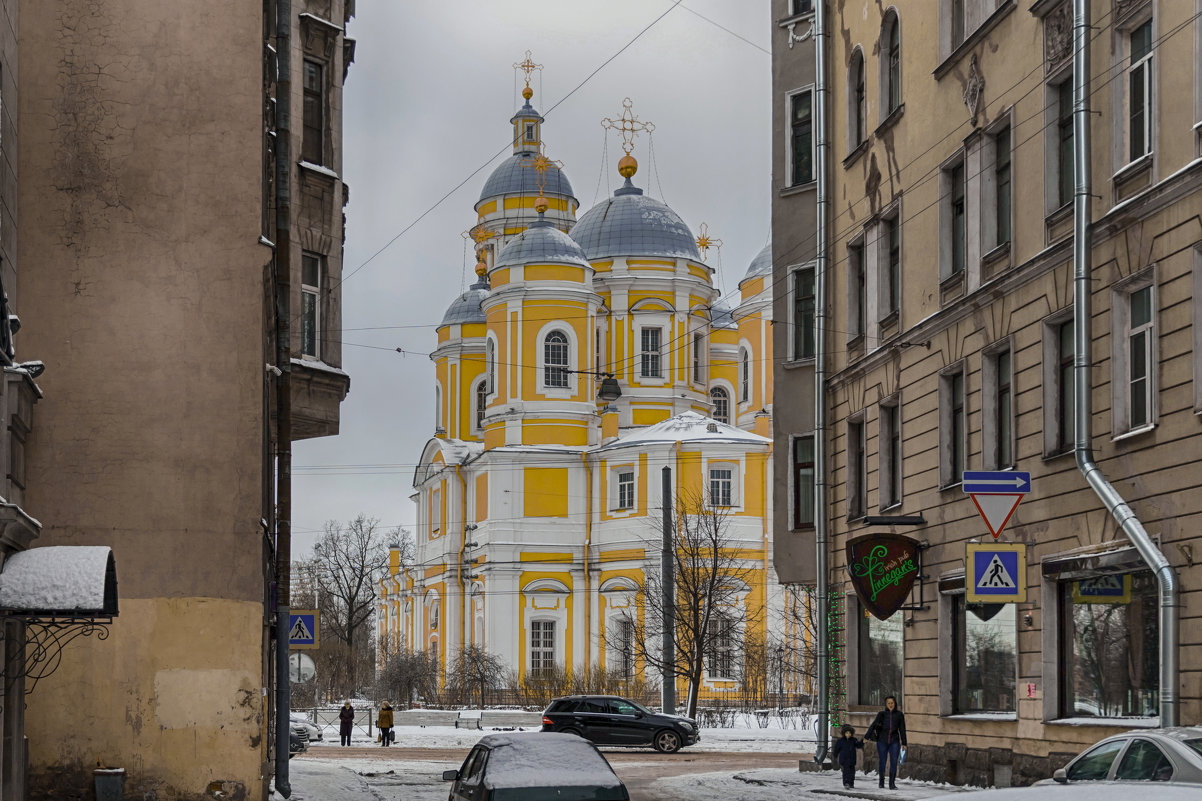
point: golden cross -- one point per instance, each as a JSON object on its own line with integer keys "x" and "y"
{"x": 628, "y": 125}
{"x": 528, "y": 66}
{"x": 705, "y": 241}
{"x": 541, "y": 164}
{"x": 479, "y": 234}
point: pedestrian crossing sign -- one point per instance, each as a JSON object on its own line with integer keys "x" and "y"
{"x": 304, "y": 630}
{"x": 1107, "y": 589}
{"x": 995, "y": 573}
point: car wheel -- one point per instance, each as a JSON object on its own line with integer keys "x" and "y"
{"x": 666, "y": 741}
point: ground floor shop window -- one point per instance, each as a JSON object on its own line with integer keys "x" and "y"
{"x": 985, "y": 654}
{"x": 1109, "y": 641}
{"x": 880, "y": 651}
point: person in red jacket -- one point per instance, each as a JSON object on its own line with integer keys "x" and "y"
{"x": 889, "y": 731}
{"x": 346, "y": 721}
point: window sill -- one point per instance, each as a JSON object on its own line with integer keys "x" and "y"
{"x": 1133, "y": 178}
{"x": 1047, "y": 457}
{"x": 797, "y": 189}
{"x": 897, "y": 505}
{"x": 1140, "y": 164}
{"x": 974, "y": 38}
{"x": 802, "y": 529}
{"x": 996, "y": 260}
{"x": 951, "y": 288}
{"x": 890, "y": 120}
{"x": 1058, "y": 223}
{"x": 1125, "y": 723}
{"x": 889, "y": 321}
{"x": 319, "y": 169}
{"x": 949, "y": 487}
{"x": 855, "y": 154}
{"x": 793, "y": 364}
{"x": 996, "y": 717}
{"x": 794, "y": 19}
{"x": 1134, "y": 433}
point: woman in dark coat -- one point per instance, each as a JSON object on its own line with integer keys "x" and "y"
{"x": 889, "y": 731}
{"x": 346, "y": 718}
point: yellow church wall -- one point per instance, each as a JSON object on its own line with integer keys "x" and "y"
{"x": 524, "y": 580}
{"x": 555, "y": 432}
{"x": 545, "y": 557}
{"x": 527, "y": 202}
{"x": 494, "y": 436}
{"x": 649, "y": 416}
{"x": 486, "y": 208}
{"x": 635, "y": 575}
{"x": 470, "y": 369}
{"x": 482, "y": 496}
{"x": 444, "y": 334}
{"x": 496, "y": 279}
{"x": 572, "y": 315}
{"x": 471, "y": 330}
{"x": 751, "y": 287}
{"x": 554, "y": 272}
{"x": 690, "y": 481}
{"x": 603, "y": 266}
{"x": 620, "y": 555}
{"x": 545, "y": 491}
{"x": 699, "y": 272}
{"x": 657, "y": 265}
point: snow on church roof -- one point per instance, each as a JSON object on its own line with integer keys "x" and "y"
{"x": 687, "y": 427}
{"x": 68, "y": 580}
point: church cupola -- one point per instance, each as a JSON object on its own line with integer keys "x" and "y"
{"x": 527, "y": 123}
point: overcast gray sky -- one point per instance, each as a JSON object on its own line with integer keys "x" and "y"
{"x": 428, "y": 101}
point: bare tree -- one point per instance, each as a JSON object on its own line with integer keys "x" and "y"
{"x": 347, "y": 562}
{"x": 408, "y": 676}
{"x": 711, "y": 581}
{"x": 473, "y": 668}
{"x": 800, "y": 621}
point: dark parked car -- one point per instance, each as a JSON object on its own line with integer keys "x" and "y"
{"x": 535, "y": 767}
{"x": 610, "y": 720}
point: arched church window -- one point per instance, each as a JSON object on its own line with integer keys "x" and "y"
{"x": 490, "y": 367}
{"x": 481, "y": 402}
{"x": 555, "y": 360}
{"x": 744, "y": 375}
{"x": 721, "y": 403}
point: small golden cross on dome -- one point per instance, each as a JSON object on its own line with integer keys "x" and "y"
{"x": 479, "y": 234}
{"x": 628, "y": 125}
{"x": 705, "y": 241}
{"x": 528, "y": 66}
{"x": 541, "y": 164}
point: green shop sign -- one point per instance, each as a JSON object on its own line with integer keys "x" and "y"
{"x": 882, "y": 569}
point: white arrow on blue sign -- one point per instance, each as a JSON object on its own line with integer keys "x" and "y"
{"x": 1008, "y": 482}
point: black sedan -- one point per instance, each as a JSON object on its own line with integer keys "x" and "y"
{"x": 610, "y": 720}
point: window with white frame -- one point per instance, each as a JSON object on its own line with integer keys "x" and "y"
{"x": 542, "y": 646}
{"x": 722, "y": 485}
{"x": 625, "y": 481}
{"x": 997, "y": 407}
{"x": 857, "y": 294}
{"x": 857, "y": 470}
{"x": 555, "y": 360}
{"x": 744, "y": 375}
{"x": 435, "y": 512}
{"x": 891, "y": 253}
{"x": 952, "y": 434}
{"x": 803, "y": 313}
{"x": 720, "y": 650}
{"x": 721, "y": 400}
{"x": 954, "y": 220}
{"x": 1062, "y": 140}
{"x": 481, "y": 396}
{"x": 311, "y": 274}
{"x": 625, "y": 643}
{"x": 890, "y": 453}
{"x": 1136, "y": 360}
{"x": 490, "y": 366}
{"x": 649, "y": 352}
{"x": 803, "y": 482}
{"x": 698, "y": 357}
{"x": 1001, "y": 194}
{"x": 437, "y": 407}
{"x": 801, "y": 137}
{"x": 957, "y": 22}
{"x": 891, "y": 64}
{"x": 857, "y": 99}
{"x": 1139, "y": 91}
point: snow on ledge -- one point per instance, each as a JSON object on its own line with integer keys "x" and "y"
{"x": 1122, "y": 723}
{"x": 63, "y": 580}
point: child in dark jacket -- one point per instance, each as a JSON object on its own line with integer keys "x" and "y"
{"x": 844, "y": 753}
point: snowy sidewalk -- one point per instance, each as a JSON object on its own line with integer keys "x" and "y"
{"x": 787, "y": 785}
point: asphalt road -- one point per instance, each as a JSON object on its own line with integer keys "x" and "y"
{"x": 638, "y": 768}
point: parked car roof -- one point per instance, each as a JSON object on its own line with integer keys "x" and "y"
{"x": 528, "y": 760}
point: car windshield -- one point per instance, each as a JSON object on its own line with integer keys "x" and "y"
{"x": 1195, "y": 744}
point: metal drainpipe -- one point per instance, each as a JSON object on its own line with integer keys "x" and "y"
{"x": 820, "y": 526}
{"x": 1166, "y": 578}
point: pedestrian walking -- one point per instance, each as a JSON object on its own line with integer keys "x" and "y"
{"x": 889, "y": 731}
{"x": 844, "y": 753}
{"x": 384, "y": 722}
{"x": 346, "y": 722}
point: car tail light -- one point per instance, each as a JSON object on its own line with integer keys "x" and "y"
{"x": 547, "y": 721}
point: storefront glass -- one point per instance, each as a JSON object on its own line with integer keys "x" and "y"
{"x": 880, "y": 659}
{"x": 986, "y": 656}
{"x": 1110, "y": 647}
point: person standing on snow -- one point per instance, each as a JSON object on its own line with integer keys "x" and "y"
{"x": 384, "y": 721}
{"x": 346, "y": 721}
{"x": 844, "y": 753}
{"x": 889, "y": 731}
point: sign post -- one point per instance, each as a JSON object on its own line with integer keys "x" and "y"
{"x": 996, "y": 494}
{"x": 304, "y": 630}
{"x": 996, "y": 573}
{"x": 883, "y": 568}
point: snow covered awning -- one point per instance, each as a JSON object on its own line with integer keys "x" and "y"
{"x": 60, "y": 581}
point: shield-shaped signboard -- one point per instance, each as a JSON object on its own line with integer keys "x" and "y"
{"x": 883, "y": 568}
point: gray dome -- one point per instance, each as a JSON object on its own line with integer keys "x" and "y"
{"x": 515, "y": 176}
{"x": 632, "y": 224}
{"x": 466, "y": 308}
{"x": 542, "y": 243}
{"x": 761, "y": 264}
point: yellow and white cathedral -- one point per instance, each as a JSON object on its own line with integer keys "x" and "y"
{"x": 539, "y": 496}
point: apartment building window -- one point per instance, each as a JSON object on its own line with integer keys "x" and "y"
{"x": 1135, "y": 360}
{"x": 952, "y": 439}
{"x": 879, "y": 643}
{"x": 721, "y": 401}
{"x": 698, "y": 342}
{"x": 311, "y": 274}
{"x": 892, "y": 264}
{"x": 1001, "y": 185}
{"x": 857, "y": 125}
{"x": 803, "y": 482}
{"x": 857, "y": 291}
{"x": 555, "y": 360}
{"x": 722, "y": 479}
{"x": 958, "y": 17}
{"x": 744, "y": 375}
{"x": 984, "y": 657}
{"x": 803, "y": 314}
{"x": 542, "y": 646}
{"x": 800, "y": 7}
{"x": 313, "y": 135}
{"x": 720, "y": 650}
{"x": 625, "y": 489}
{"x": 890, "y": 453}
{"x": 956, "y": 215}
{"x": 649, "y": 353}
{"x": 891, "y": 46}
{"x": 1065, "y": 390}
{"x": 857, "y": 478}
{"x": 801, "y": 138}
{"x": 1064, "y": 154}
{"x": 1139, "y": 92}
{"x": 998, "y": 409}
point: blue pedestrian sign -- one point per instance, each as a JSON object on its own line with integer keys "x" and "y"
{"x": 995, "y": 573}
{"x": 995, "y": 481}
{"x": 304, "y": 630}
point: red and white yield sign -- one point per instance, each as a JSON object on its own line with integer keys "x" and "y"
{"x": 996, "y": 494}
